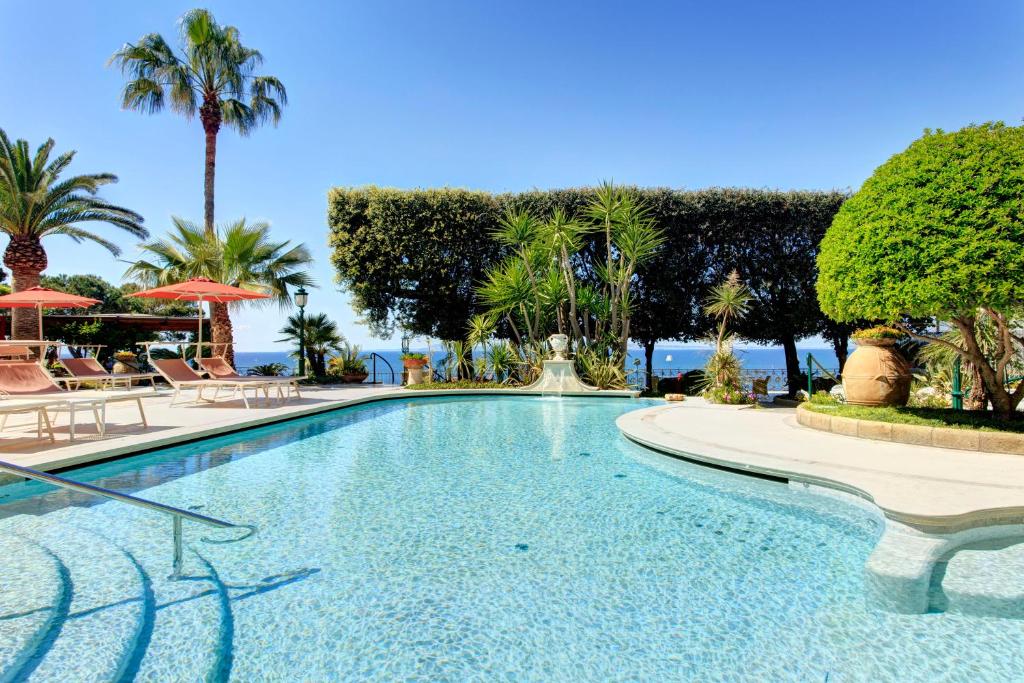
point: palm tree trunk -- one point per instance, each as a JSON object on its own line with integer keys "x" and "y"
{"x": 221, "y": 330}
{"x": 211, "y": 117}
{"x": 26, "y": 259}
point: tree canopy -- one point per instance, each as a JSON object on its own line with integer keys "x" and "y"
{"x": 937, "y": 231}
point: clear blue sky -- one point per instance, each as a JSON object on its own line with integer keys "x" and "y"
{"x": 509, "y": 96}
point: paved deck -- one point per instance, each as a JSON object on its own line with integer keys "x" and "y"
{"x": 935, "y": 490}
{"x": 167, "y": 425}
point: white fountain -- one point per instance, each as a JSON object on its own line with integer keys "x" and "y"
{"x": 559, "y": 374}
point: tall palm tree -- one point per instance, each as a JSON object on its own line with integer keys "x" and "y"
{"x": 239, "y": 254}
{"x": 215, "y": 75}
{"x": 320, "y": 337}
{"x": 35, "y": 203}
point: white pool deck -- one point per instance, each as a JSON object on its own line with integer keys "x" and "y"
{"x": 937, "y": 490}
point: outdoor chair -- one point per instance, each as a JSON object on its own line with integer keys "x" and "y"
{"x": 181, "y": 377}
{"x": 219, "y": 368}
{"x": 90, "y": 370}
{"x": 22, "y": 379}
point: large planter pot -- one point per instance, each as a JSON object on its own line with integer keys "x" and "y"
{"x": 414, "y": 374}
{"x": 121, "y": 368}
{"x": 355, "y": 378}
{"x": 876, "y": 375}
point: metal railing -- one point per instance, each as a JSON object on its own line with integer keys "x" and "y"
{"x": 390, "y": 371}
{"x": 776, "y": 377}
{"x": 176, "y": 513}
{"x": 811, "y": 362}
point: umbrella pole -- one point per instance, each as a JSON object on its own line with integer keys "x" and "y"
{"x": 199, "y": 349}
{"x": 40, "y": 309}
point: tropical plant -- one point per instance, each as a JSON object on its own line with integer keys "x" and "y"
{"x": 36, "y": 203}
{"x": 935, "y": 232}
{"x": 214, "y": 75}
{"x": 503, "y": 361}
{"x": 602, "y": 371}
{"x": 268, "y": 370}
{"x": 239, "y": 254}
{"x": 727, "y": 303}
{"x": 348, "y": 361}
{"x": 321, "y": 339}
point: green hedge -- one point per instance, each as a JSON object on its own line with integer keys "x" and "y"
{"x": 412, "y": 257}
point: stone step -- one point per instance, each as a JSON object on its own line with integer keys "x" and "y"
{"x": 192, "y": 626}
{"x": 35, "y": 594}
{"x": 109, "y": 617}
{"x": 983, "y": 581}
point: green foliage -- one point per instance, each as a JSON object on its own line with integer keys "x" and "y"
{"x": 238, "y": 253}
{"x": 936, "y": 232}
{"x": 413, "y": 258}
{"x": 928, "y": 417}
{"x": 932, "y": 232}
{"x": 212, "y": 67}
{"x": 456, "y": 384}
{"x": 268, "y": 370}
{"x": 413, "y": 356}
{"x": 823, "y": 398}
{"x": 600, "y": 370}
{"x": 348, "y": 361}
{"x": 879, "y": 332}
{"x": 321, "y": 336}
{"x": 35, "y": 202}
{"x": 729, "y": 395}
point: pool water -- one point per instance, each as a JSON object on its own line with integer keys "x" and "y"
{"x": 461, "y": 539}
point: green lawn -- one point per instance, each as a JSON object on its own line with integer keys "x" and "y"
{"x": 928, "y": 417}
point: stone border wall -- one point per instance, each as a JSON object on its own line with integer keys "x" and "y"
{"x": 918, "y": 435}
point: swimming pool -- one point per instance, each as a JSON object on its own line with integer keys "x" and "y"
{"x": 461, "y": 539}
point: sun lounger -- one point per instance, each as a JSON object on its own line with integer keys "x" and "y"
{"x": 180, "y": 376}
{"x": 218, "y": 368}
{"x": 90, "y": 370}
{"x": 10, "y": 407}
{"x": 27, "y": 379}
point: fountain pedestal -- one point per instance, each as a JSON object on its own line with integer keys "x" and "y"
{"x": 559, "y": 376}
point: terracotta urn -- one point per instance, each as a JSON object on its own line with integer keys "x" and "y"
{"x": 355, "y": 377}
{"x": 876, "y": 375}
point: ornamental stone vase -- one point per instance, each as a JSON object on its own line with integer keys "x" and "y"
{"x": 876, "y": 375}
{"x": 559, "y": 344}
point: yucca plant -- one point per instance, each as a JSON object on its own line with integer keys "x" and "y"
{"x": 602, "y": 371}
{"x": 503, "y": 361}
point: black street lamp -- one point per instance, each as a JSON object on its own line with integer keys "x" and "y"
{"x": 301, "y": 299}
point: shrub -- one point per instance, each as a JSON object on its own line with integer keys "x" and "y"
{"x": 604, "y": 372}
{"x": 268, "y": 370}
{"x": 729, "y": 395}
{"x": 936, "y": 232}
{"x": 347, "y": 362}
{"x": 878, "y": 332}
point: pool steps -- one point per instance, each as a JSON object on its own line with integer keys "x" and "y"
{"x": 118, "y": 574}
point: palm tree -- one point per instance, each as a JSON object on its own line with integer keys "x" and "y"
{"x": 215, "y": 75}
{"x": 321, "y": 337}
{"x": 239, "y": 254}
{"x": 35, "y": 203}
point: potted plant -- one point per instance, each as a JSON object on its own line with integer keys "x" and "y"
{"x": 413, "y": 363}
{"x": 348, "y": 365}
{"x": 875, "y": 373}
{"x": 125, "y": 362}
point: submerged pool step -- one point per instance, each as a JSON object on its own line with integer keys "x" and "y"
{"x": 34, "y": 597}
{"x": 191, "y": 629}
{"x": 110, "y": 609}
{"x": 986, "y": 582}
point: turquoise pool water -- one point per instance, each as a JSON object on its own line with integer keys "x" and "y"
{"x": 451, "y": 539}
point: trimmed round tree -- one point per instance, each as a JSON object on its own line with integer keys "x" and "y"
{"x": 937, "y": 231}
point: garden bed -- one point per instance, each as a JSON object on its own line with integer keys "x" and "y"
{"x": 942, "y": 428}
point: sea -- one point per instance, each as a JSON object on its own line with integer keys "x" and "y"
{"x": 668, "y": 360}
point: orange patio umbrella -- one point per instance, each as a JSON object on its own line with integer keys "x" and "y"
{"x": 41, "y": 297}
{"x": 200, "y": 289}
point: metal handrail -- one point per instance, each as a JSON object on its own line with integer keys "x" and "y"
{"x": 373, "y": 359}
{"x": 177, "y": 514}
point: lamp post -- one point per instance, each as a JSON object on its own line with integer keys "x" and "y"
{"x": 301, "y": 299}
